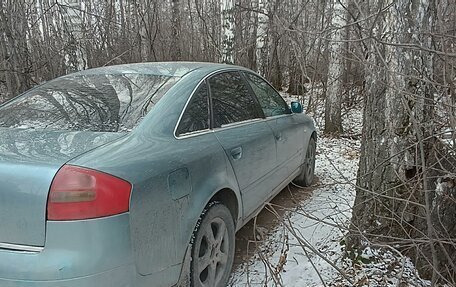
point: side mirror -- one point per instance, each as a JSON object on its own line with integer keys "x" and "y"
{"x": 296, "y": 107}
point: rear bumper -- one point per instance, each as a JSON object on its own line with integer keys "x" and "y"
{"x": 118, "y": 277}
{"x": 78, "y": 253}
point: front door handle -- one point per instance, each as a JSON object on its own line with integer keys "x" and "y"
{"x": 236, "y": 153}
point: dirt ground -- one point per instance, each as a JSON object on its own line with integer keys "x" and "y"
{"x": 289, "y": 198}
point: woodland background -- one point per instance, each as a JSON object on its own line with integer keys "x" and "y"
{"x": 395, "y": 59}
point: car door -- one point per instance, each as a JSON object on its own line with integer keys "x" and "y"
{"x": 248, "y": 141}
{"x": 288, "y": 131}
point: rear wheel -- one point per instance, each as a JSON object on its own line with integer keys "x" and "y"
{"x": 308, "y": 168}
{"x": 213, "y": 248}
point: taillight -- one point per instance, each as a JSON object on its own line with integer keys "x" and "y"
{"x": 79, "y": 193}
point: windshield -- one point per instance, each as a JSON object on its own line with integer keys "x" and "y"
{"x": 99, "y": 103}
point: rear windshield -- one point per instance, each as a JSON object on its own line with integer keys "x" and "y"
{"x": 99, "y": 103}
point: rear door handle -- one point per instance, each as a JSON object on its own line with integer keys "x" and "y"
{"x": 278, "y": 136}
{"x": 236, "y": 153}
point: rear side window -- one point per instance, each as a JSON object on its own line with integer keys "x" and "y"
{"x": 196, "y": 115}
{"x": 231, "y": 99}
{"x": 93, "y": 102}
{"x": 271, "y": 102}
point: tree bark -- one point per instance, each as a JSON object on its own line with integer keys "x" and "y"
{"x": 336, "y": 70}
{"x": 14, "y": 51}
{"x": 261, "y": 36}
{"x": 176, "y": 52}
{"x": 227, "y": 12}
{"x": 396, "y": 197}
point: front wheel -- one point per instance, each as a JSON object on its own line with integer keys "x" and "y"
{"x": 213, "y": 248}
{"x": 308, "y": 168}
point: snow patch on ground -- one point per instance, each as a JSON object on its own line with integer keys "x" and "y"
{"x": 306, "y": 248}
{"x": 381, "y": 268}
{"x": 306, "y": 245}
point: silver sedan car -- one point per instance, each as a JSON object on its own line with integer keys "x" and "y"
{"x": 140, "y": 175}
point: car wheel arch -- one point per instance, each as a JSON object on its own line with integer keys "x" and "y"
{"x": 314, "y": 135}
{"x": 232, "y": 201}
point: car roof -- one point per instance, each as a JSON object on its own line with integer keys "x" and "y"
{"x": 176, "y": 69}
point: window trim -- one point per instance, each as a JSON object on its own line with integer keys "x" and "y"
{"x": 259, "y": 110}
{"x": 252, "y": 93}
{"x": 200, "y": 84}
{"x": 193, "y": 134}
{"x": 238, "y": 124}
{"x": 244, "y": 73}
{"x": 197, "y": 133}
{"x": 278, "y": 116}
{"x": 211, "y": 120}
{"x": 20, "y": 248}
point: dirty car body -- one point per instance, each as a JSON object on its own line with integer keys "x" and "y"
{"x": 105, "y": 174}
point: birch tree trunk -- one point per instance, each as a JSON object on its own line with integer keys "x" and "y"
{"x": 336, "y": 70}
{"x": 262, "y": 34}
{"x": 227, "y": 13}
{"x": 396, "y": 197}
{"x": 72, "y": 23}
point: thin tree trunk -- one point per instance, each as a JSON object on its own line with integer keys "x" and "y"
{"x": 227, "y": 14}
{"x": 261, "y": 36}
{"x": 336, "y": 70}
{"x": 176, "y": 52}
{"x": 396, "y": 195}
{"x": 14, "y": 47}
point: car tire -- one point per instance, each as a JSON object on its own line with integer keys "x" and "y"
{"x": 213, "y": 247}
{"x": 306, "y": 177}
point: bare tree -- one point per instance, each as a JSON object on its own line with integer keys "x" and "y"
{"x": 176, "y": 27}
{"x": 14, "y": 50}
{"x": 336, "y": 70}
{"x": 398, "y": 57}
{"x": 397, "y": 196}
{"x": 227, "y": 12}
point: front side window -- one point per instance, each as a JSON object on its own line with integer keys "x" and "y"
{"x": 231, "y": 99}
{"x": 196, "y": 115}
{"x": 271, "y": 102}
{"x": 93, "y": 102}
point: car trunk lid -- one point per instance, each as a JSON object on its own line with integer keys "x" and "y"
{"x": 29, "y": 160}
